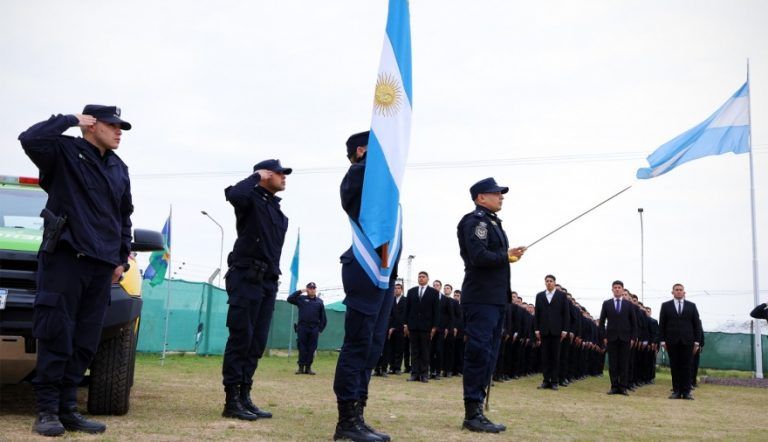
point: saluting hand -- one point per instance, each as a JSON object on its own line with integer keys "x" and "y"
{"x": 85, "y": 121}
{"x": 264, "y": 174}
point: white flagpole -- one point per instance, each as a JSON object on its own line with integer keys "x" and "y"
{"x": 169, "y": 274}
{"x": 755, "y": 282}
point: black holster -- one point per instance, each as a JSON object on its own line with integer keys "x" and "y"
{"x": 54, "y": 226}
{"x": 255, "y": 271}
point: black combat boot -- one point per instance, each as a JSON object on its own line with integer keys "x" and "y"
{"x": 360, "y": 410}
{"x": 349, "y": 426}
{"x": 300, "y": 370}
{"x": 74, "y": 421}
{"x": 474, "y": 420}
{"x": 308, "y": 370}
{"x": 48, "y": 424}
{"x": 233, "y": 405}
{"x": 245, "y": 399}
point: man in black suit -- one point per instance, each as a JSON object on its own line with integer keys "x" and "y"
{"x": 551, "y": 323}
{"x": 458, "y": 341}
{"x": 654, "y": 344}
{"x": 396, "y": 338}
{"x": 697, "y": 358}
{"x": 444, "y": 325}
{"x": 450, "y": 336}
{"x": 679, "y": 331}
{"x": 421, "y": 318}
{"x": 618, "y": 336}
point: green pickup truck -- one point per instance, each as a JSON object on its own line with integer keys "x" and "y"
{"x": 21, "y": 231}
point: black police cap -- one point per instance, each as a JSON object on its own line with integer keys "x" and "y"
{"x": 487, "y": 185}
{"x": 274, "y": 166}
{"x": 311, "y": 285}
{"x": 357, "y": 140}
{"x": 107, "y": 114}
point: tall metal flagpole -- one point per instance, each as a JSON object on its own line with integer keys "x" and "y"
{"x": 755, "y": 282}
{"x": 642, "y": 257}
{"x": 168, "y": 280}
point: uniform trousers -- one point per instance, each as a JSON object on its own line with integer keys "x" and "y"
{"x": 365, "y": 329}
{"x": 250, "y": 313}
{"x": 72, "y": 297}
{"x": 482, "y": 326}
{"x": 306, "y": 337}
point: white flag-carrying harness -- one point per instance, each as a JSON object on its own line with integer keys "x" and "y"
{"x": 380, "y": 211}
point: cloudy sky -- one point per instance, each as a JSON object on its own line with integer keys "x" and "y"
{"x": 559, "y": 100}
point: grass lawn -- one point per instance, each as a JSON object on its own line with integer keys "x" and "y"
{"x": 183, "y": 401}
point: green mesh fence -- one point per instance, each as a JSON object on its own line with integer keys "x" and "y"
{"x": 198, "y": 315}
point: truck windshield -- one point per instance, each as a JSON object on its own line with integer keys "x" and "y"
{"x": 20, "y": 208}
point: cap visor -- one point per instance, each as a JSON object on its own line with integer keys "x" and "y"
{"x": 124, "y": 125}
{"x": 286, "y": 171}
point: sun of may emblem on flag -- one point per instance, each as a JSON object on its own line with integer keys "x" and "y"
{"x": 388, "y": 96}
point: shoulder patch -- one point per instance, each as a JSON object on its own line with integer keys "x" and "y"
{"x": 481, "y": 231}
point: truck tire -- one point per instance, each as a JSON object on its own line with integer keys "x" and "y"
{"x": 109, "y": 391}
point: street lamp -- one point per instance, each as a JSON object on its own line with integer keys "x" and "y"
{"x": 642, "y": 257}
{"x": 410, "y": 270}
{"x": 221, "y": 248}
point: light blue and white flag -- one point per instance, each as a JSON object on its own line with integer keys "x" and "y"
{"x": 380, "y": 211}
{"x": 727, "y": 130}
{"x": 295, "y": 266}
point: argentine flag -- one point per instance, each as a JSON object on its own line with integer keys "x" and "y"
{"x": 380, "y": 211}
{"x": 727, "y": 130}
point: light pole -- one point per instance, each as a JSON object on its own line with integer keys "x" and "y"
{"x": 642, "y": 257}
{"x": 410, "y": 270}
{"x": 221, "y": 248}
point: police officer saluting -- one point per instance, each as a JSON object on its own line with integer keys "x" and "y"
{"x": 85, "y": 249}
{"x": 312, "y": 322}
{"x": 485, "y": 250}
{"x": 252, "y": 281}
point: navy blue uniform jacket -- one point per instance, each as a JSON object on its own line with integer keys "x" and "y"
{"x": 93, "y": 191}
{"x": 261, "y": 226}
{"x": 483, "y": 246}
{"x": 311, "y": 310}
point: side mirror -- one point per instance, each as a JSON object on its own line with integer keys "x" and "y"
{"x": 147, "y": 241}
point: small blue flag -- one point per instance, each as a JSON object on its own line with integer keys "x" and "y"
{"x": 158, "y": 261}
{"x": 295, "y": 266}
{"x": 727, "y": 130}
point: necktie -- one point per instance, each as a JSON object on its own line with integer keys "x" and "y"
{"x": 679, "y": 308}
{"x": 618, "y": 306}
{"x": 421, "y": 292}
